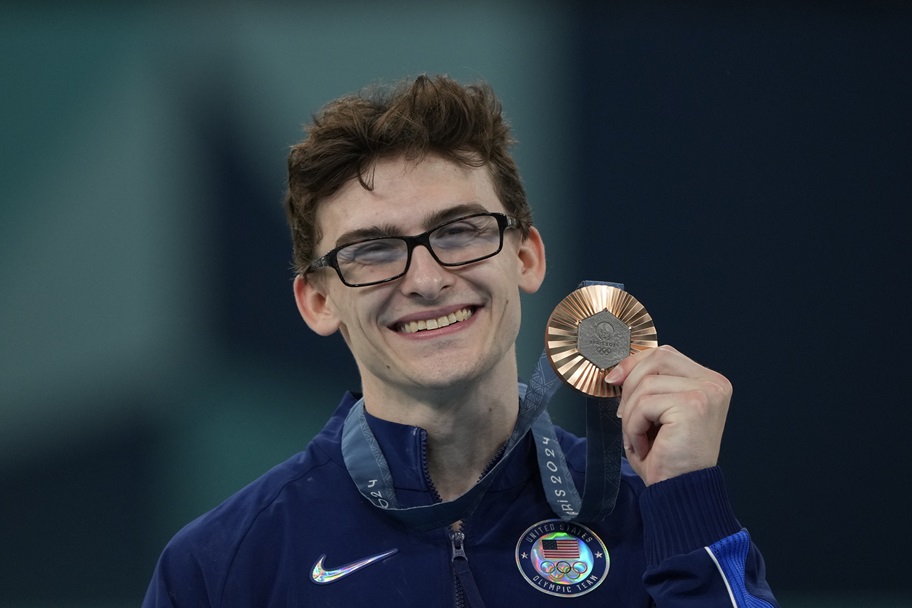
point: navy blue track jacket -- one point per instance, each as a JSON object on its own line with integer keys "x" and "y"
{"x": 302, "y": 535}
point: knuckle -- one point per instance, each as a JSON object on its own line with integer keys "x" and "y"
{"x": 663, "y": 353}
{"x": 721, "y": 385}
{"x": 716, "y": 388}
{"x": 698, "y": 400}
{"x": 649, "y": 383}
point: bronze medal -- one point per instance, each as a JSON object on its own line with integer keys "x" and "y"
{"x": 592, "y": 330}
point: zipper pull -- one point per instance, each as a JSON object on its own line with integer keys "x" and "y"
{"x": 465, "y": 579}
{"x": 456, "y": 539}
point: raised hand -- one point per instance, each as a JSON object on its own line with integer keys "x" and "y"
{"x": 673, "y": 412}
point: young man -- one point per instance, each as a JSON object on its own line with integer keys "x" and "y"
{"x": 413, "y": 239}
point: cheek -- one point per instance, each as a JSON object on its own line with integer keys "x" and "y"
{"x": 511, "y": 315}
{"x": 357, "y": 319}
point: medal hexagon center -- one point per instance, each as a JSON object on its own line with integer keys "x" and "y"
{"x": 603, "y": 339}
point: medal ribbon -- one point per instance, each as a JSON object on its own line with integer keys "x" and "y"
{"x": 370, "y": 472}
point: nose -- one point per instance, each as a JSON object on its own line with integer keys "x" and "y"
{"x": 425, "y": 276}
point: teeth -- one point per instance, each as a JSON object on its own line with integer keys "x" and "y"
{"x": 454, "y": 317}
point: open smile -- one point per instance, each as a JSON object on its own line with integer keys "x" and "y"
{"x": 458, "y": 316}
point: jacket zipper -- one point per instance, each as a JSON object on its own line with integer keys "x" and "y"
{"x": 465, "y": 590}
{"x": 467, "y": 594}
{"x": 457, "y": 537}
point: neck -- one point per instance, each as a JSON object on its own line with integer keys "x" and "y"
{"x": 466, "y": 425}
{"x": 460, "y": 452}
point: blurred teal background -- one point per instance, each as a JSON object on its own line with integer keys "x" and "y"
{"x": 744, "y": 171}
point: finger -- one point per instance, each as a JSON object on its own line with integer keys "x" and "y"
{"x": 638, "y": 446}
{"x": 654, "y": 385}
{"x": 665, "y": 360}
{"x": 702, "y": 397}
{"x": 648, "y": 413}
{"x": 622, "y": 371}
{"x": 640, "y": 365}
{"x": 642, "y": 423}
{"x": 619, "y": 372}
{"x": 674, "y": 433}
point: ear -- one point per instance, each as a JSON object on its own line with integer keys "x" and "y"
{"x": 532, "y": 261}
{"x": 314, "y": 306}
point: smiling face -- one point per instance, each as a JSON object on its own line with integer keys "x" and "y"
{"x": 435, "y": 330}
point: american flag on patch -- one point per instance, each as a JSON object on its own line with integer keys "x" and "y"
{"x": 560, "y": 548}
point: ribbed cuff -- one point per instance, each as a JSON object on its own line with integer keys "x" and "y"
{"x": 686, "y": 513}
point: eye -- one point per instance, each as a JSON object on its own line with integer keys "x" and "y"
{"x": 461, "y": 232}
{"x": 377, "y": 251}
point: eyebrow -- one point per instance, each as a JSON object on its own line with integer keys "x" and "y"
{"x": 388, "y": 230}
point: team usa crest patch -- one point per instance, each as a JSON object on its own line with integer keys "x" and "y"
{"x": 562, "y": 558}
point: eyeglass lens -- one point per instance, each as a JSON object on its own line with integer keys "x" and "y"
{"x": 457, "y": 242}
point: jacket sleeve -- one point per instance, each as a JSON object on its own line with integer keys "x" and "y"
{"x": 190, "y": 571}
{"x": 175, "y": 585}
{"x": 697, "y": 553}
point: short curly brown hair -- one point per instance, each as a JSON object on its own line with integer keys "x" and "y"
{"x": 464, "y": 124}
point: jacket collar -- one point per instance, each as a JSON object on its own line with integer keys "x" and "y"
{"x": 405, "y": 449}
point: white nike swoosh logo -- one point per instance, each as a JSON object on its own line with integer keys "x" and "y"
{"x": 321, "y": 576}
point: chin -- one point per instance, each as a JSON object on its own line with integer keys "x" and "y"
{"x": 440, "y": 376}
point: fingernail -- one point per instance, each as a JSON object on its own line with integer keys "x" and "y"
{"x": 614, "y": 375}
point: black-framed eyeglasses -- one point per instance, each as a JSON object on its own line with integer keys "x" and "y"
{"x": 454, "y": 243}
